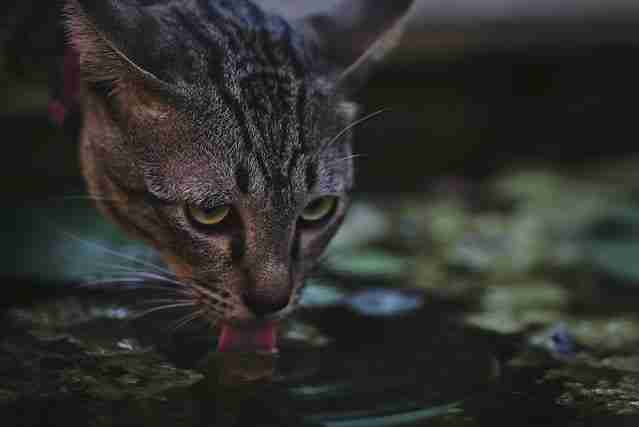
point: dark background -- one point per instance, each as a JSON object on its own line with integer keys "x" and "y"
{"x": 473, "y": 89}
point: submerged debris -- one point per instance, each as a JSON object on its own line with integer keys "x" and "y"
{"x": 594, "y": 391}
{"x": 59, "y": 378}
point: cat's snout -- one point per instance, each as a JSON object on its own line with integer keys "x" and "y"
{"x": 269, "y": 289}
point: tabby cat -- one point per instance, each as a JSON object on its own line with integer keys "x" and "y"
{"x": 219, "y": 132}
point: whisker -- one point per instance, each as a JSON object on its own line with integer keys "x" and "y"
{"x": 113, "y": 252}
{"x": 355, "y": 124}
{"x": 165, "y": 307}
{"x": 116, "y": 273}
{"x": 344, "y": 159}
{"x": 115, "y": 282}
{"x": 127, "y": 267}
{"x": 166, "y": 280}
{"x": 134, "y": 275}
{"x": 165, "y": 300}
{"x": 130, "y": 284}
{"x": 116, "y": 268}
{"x": 151, "y": 281}
{"x": 124, "y": 277}
{"x": 84, "y": 197}
{"x": 202, "y": 290}
{"x": 153, "y": 277}
{"x": 206, "y": 292}
{"x": 352, "y": 156}
{"x": 181, "y": 323}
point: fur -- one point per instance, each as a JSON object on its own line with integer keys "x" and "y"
{"x": 218, "y": 102}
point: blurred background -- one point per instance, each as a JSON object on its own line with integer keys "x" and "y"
{"x": 499, "y": 195}
{"x": 475, "y": 87}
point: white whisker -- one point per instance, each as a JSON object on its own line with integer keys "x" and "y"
{"x": 165, "y": 307}
{"x": 354, "y": 124}
{"x": 181, "y": 323}
{"x": 208, "y": 294}
{"x": 84, "y": 197}
{"x": 344, "y": 159}
{"x": 113, "y": 252}
{"x": 118, "y": 268}
{"x": 156, "y": 277}
{"x": 132, "y": 284}
{"x": 165, "y": 300}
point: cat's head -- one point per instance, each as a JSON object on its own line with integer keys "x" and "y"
{"x": 213, "y": 130}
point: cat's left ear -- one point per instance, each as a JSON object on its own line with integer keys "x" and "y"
{"x": 117, "y": 45}
{"x": 354, "y": 35}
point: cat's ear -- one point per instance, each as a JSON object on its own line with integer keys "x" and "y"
{"x": 354, "y": 35}
{"x": 97, "y": 30}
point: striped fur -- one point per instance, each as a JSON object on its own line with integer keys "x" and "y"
{"x": 209, "y": 102}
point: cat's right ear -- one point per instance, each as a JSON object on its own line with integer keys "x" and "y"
{"x": 354, "y": 35}
{"x": 95, "y": 30}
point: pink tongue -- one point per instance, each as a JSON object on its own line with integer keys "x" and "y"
{"x": 259, "y": 338}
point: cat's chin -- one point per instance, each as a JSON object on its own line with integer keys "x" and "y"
{"x": 259, "y": 337}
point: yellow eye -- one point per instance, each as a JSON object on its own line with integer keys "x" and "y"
{"x": 319, "y": 209}
{"x": 208, "y": 217}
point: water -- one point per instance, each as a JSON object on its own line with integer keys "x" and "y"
{"x": 434, "y": 312}
{"x": 369, "y": 371}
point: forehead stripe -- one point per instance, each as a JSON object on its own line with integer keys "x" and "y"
{"x": 301, "y": 103}
{"x": 242, "y": 178}
{"x": 311, "y": 175}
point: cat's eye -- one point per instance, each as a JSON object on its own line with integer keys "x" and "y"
{"x": 208, "y": 217}
{"x": 319, "y": 209}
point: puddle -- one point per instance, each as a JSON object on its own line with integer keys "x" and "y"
{"x": 370, "y": 371}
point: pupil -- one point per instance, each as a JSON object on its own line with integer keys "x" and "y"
{"x": 212, "y": 211}
{"x": 315, "y": 206}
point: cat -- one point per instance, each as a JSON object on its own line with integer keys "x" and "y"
{"x": 219, "y": 132}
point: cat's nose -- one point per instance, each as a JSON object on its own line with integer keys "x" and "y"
{"x": 262, "y": 304}
{"x": 269, "y": 286}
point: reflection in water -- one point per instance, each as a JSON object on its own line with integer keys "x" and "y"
{"x": 386, "y": 370}
{"x": 372, "y": 371}
{"x": 402, "y": 371}
{"x": 236, "y": 368}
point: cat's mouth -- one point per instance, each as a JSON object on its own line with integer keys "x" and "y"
{"x": 250, "y": 333}
{"x": 255, "y": 337}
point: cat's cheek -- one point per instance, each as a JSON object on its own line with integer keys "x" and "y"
{"x": 314, "y": 243}
{"x": 181, "y": 245}
{"x": 205, "y": 253}
{"x": 180, "y": 268}
{"x": 200, "y": 258}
